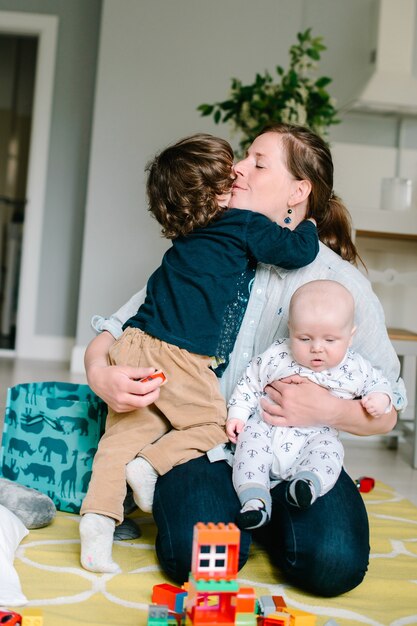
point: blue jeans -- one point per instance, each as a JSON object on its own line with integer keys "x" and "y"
{"x": 323, "y": 550}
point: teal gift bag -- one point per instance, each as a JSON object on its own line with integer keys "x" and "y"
{"x": 50, "y": 436}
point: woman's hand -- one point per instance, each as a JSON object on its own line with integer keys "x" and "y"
{"x": 119, "y": 386}
{"x": 300, "y": 402}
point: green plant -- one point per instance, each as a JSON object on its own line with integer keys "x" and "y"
{"x": 297, "y": 98}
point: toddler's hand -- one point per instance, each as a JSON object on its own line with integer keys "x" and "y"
{"x": 234, "y": 426}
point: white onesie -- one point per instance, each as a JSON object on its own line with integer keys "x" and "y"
{"x": 266, "y": 455}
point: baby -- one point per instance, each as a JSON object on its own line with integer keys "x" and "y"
{"x": 321, "y": 327}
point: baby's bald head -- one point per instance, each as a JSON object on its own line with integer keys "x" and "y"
{"x": 321, "y": 324}
{"x": 324, "y": 299}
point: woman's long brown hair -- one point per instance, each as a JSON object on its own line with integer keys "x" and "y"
{"x": 308, "y": 157}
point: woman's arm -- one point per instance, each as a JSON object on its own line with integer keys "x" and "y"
{"x": 114, "y": 323}
{"x": 119, "y": 386}
{"x": 300, "y": 402}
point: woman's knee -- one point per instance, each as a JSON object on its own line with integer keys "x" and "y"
{"x": 329, "y": 573}
{"x": 324, "y": 549}
{"x": 175, "y": 561}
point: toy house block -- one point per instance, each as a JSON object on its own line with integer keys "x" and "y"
{"x": 246, "y": 600}
{"x": 157, "y": 615}
{"x": 170, "y": 595}
{"x": 32, "y": 617}
{"x": 300, "y": 618}
{"x": 215, "y": 551}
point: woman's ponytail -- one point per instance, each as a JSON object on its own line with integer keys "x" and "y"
{"x": 334, "y": 225}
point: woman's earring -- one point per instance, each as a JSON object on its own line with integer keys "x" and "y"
{"x": 288, "y": 220}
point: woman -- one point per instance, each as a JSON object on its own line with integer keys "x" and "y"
{"x": 324, "y": 549}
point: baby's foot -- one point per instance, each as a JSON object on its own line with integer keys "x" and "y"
{"x": 128, "y": 529}
{"x": 301, "y": 493}
{"x": 96, "y": 532}
{"x": 142, "y": 478}
{"x": 253, "y": 514}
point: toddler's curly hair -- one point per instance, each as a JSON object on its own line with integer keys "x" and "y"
{"x": 184, "y": 181}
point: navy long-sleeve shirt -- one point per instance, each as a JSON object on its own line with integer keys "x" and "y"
{"x": 197, "y": 297}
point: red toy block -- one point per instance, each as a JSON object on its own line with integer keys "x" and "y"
{"x": 365, "y": 484}
{"x": 170, "y": 595}
{"x": 279, "y": 602}
{"x": 246, "y": 600}
{"x": 153, "y": 376}
{"x": 10, "y": 618}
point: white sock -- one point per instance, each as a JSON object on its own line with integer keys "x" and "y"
{"x": 96, "y": 532}
{"x": 142, "y": 478}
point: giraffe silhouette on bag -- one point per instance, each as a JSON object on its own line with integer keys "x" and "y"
{"x": 69, "y": 476}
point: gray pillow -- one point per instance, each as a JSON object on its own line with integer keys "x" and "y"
{"x": 32, "y": 507}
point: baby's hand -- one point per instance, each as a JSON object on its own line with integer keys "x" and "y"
{"x": 234, "y": 426}
{"x": 376, "y": 404}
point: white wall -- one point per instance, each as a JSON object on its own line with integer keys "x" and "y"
{"x": 158, "y": 61}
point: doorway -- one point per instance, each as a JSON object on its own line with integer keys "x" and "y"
{"x": 44, "y": 29}
{"x": 18, "y": 54}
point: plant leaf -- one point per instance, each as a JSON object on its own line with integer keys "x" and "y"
{"x": 297, "y": 96}
{"x": 206, "y": 109}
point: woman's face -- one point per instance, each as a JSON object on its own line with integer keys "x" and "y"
{"x": 264, "y": 185}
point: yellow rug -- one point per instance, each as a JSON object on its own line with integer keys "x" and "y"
{"x": 47, "y": 562}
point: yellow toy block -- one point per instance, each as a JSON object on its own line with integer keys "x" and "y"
{"x": 32, "y": 617}
{"x": 300, "y": 618}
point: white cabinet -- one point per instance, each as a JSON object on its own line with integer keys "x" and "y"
{"x": 378, "y": 221}
{"x": 387, "y": 243}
